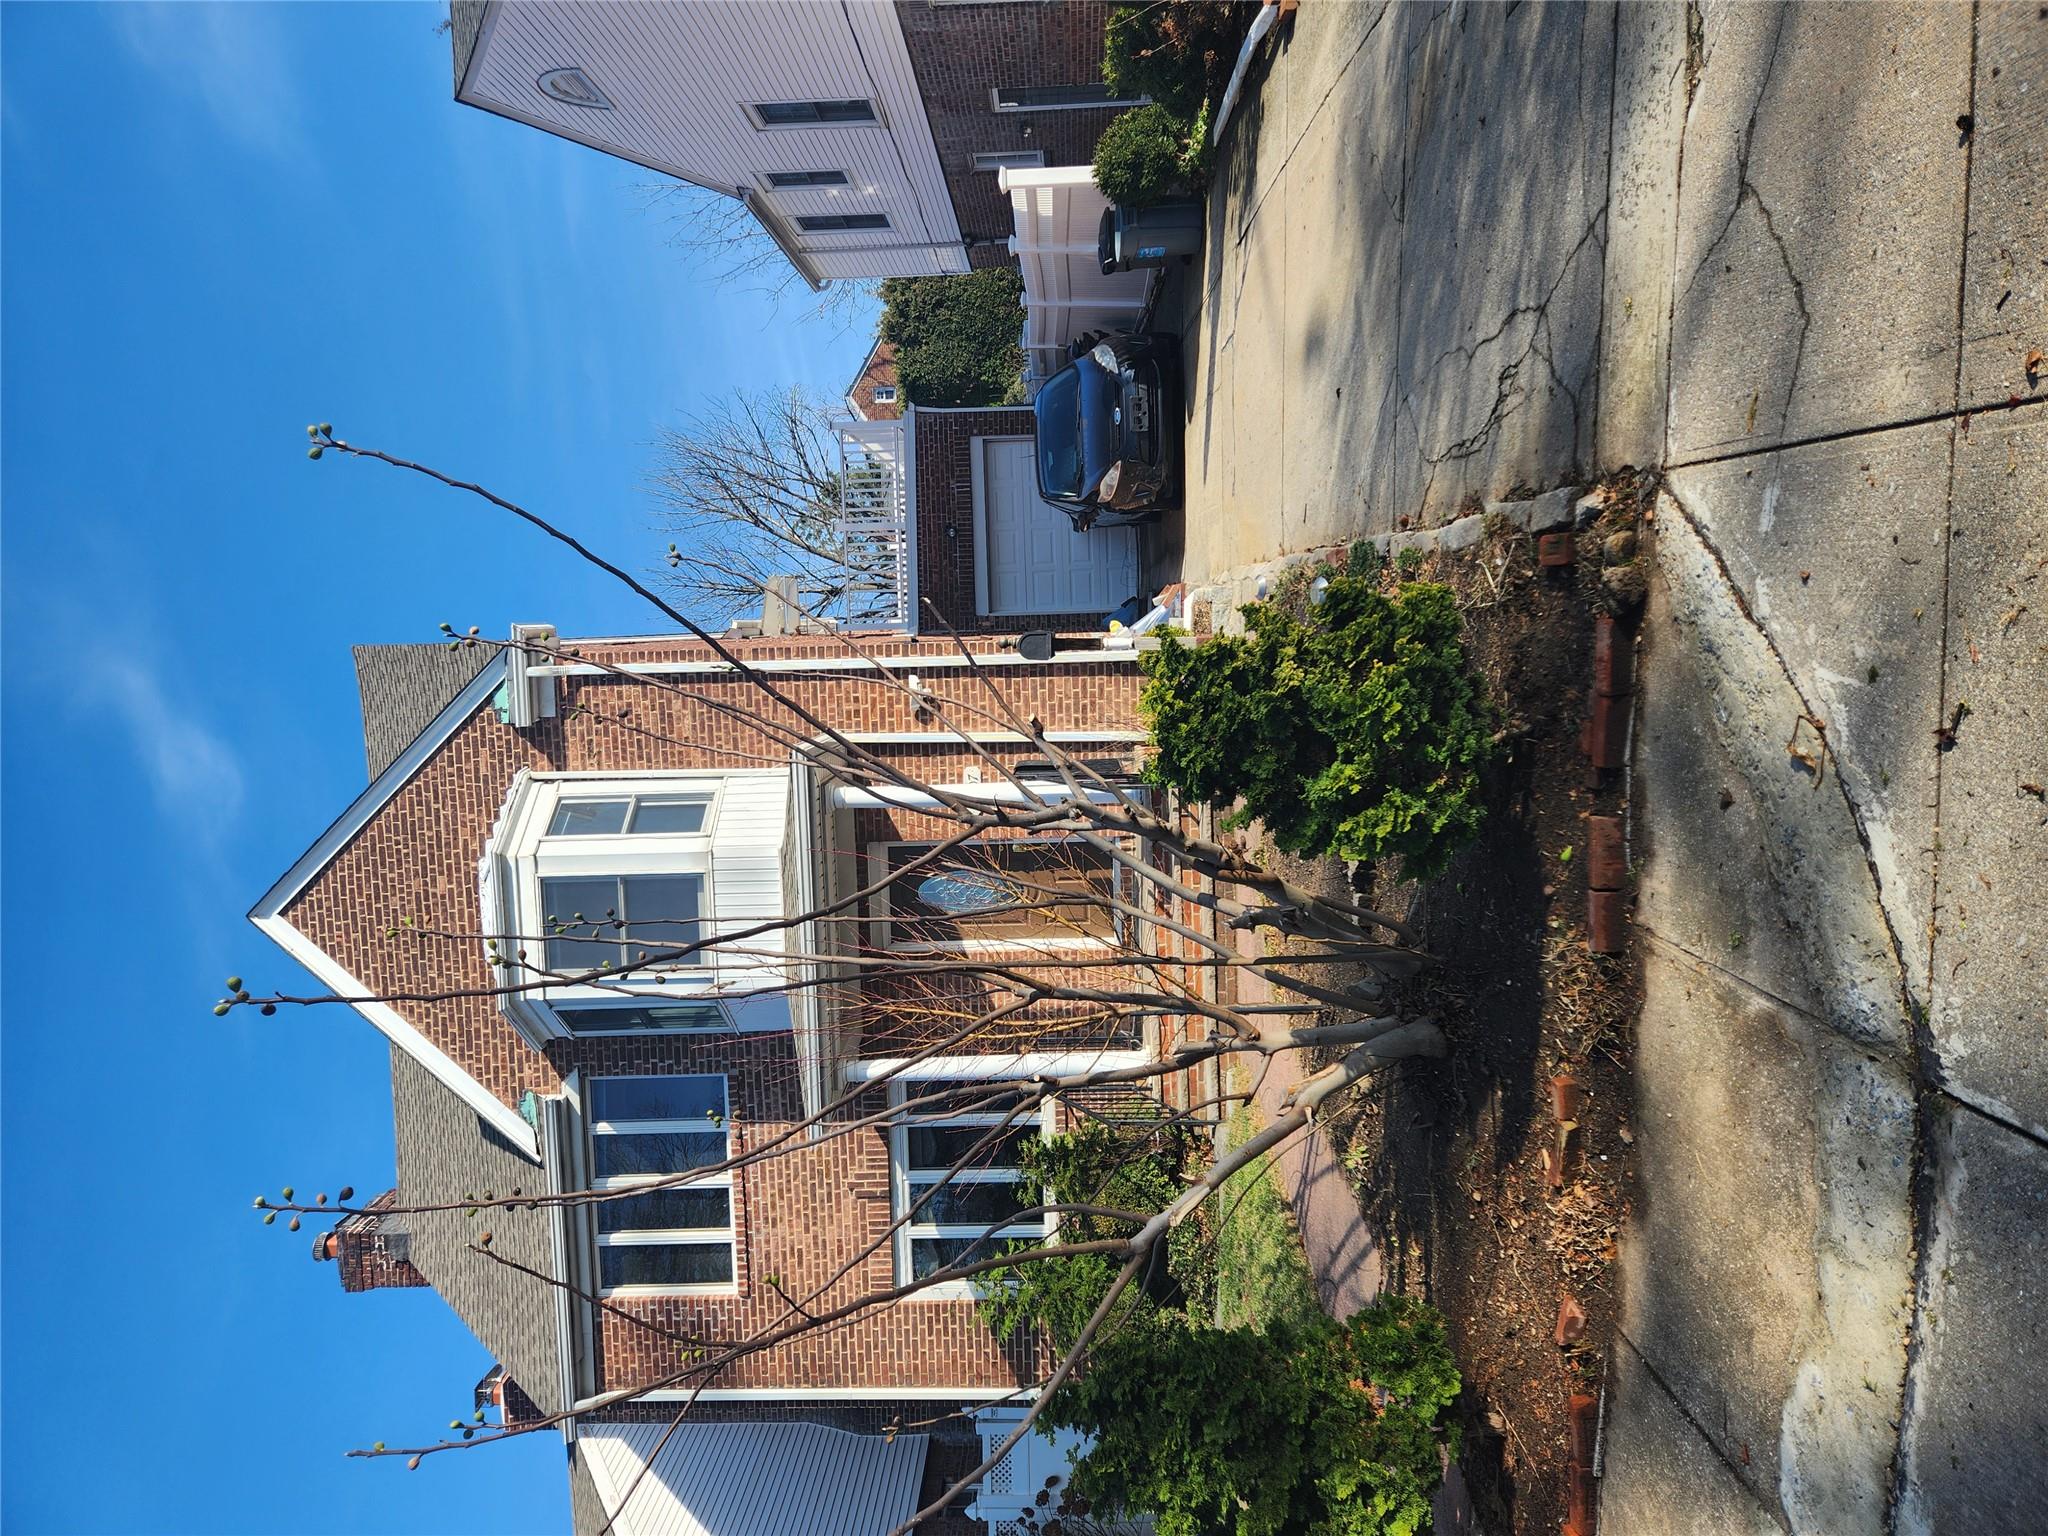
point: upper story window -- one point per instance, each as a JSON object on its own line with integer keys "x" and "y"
{"x": 608, "y": 891}
{"x": 957, "y": 1189}
{"x": 674, "y": 1239}
{"x": 813, "y": 114}
{"x": 1008, "y": 159}
{"x": 806, "y": 178}
{"x": 1059, "y": 98}
{"x": 885, "y": 394}
{"x": 833, "y": 223}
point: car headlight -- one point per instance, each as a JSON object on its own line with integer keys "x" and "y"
{"x": 1105, "y": 358}
{"x": 1105, "y": 488}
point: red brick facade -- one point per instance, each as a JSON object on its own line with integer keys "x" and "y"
{"x": 945, "y": 521}
{"x": 864, "y": 396}
{"x": 798, "y": 1217}
{"x": 963, "y": 51}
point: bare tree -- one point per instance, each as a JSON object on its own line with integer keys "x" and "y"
{"x": 1174, "y": 909}
{"x": 750, "y": 487}
{"x": 724, "y": 242}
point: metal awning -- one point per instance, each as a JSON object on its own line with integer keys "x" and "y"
{"x": 752, "y": 1479}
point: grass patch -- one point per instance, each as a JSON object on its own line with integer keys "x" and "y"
{"x": 1262, "y": 1276}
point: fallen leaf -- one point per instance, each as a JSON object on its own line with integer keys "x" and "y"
{"x": 1628, "y": 1137}
{"x": 1976, "y": 656}
{"x": 2033, "y": 789}
{"x": 1805, "y": 577}
{"x": 2033, "y": 366}
{"x": 1752, "y": 410}
{"x": 2011, "y": 617}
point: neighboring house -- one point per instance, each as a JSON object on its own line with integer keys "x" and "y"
{"x": 512, "y": 794}
{"x": 864, "y": 136}
{"x": 875, "y": 393}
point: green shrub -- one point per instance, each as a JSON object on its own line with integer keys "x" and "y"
{"x": 958, "y": 339}
{"x": 1138, "y": 159}
{"x": 1176, "y": 52}
{"x": 1321, "y": 1430}
{"x": 1133, "y": 1168}
{"x": 1356, "y": 732}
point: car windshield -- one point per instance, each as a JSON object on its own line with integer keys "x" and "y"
{"x": 1075, "y": 434}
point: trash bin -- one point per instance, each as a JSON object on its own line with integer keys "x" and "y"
{"x": 1129, "y": 238}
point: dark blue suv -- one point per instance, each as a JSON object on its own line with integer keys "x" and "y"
{"x": 1108, "y": 429}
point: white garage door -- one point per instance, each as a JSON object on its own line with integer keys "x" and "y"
{"x": 1029, "y": 558}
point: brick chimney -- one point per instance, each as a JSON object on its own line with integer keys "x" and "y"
{"x": 373, "y": 1251}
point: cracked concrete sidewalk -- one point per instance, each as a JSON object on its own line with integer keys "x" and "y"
{"x": 1796, "y": 256}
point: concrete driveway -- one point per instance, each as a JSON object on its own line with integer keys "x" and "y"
{"x": 1796, "y": 256}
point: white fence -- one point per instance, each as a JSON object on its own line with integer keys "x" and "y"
{"x": 1058, "y": 210}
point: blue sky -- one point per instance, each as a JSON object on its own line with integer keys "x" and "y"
{"x": 221, "y": 223}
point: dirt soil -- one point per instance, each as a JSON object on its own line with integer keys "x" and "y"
{"x": 1451, "y": 1159}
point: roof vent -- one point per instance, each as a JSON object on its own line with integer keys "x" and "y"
{"x": 575, "y": 87}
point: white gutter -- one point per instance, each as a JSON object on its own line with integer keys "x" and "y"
{"x": 847, "y": 797}
{"x": 928, "y": 663}
{"x": 993, "y": 1069}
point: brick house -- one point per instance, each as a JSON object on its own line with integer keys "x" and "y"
{"x": 511, "y": 791}
{"x": 864, "y": 136}
{"x": 874, "y": 393}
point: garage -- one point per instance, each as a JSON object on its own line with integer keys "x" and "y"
{"x": 1028, "y": 557}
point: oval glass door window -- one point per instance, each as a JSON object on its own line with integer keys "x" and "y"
{"x": 964, "y": 892}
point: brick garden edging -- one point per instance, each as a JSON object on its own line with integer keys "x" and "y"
{"x": 1212, "y": 606}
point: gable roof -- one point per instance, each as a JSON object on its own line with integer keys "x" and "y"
{"x": 269, "y": 912}
{"x": 448, "y": 1153}
{"x": 404, "y": 687}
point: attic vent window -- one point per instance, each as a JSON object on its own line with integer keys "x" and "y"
{"x": 574, "y": 87}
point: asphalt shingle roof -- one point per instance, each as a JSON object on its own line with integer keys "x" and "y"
{"x": 404, "y": 687}
{"x": 446, "y": 1153}
{"x": 466, "y": 24}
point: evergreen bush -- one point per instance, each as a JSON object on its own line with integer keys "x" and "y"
{"x": 1356, "y": 732}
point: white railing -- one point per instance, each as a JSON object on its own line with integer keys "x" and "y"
{"x": 878, "y": 545}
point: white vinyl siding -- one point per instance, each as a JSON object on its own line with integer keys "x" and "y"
{"x": 683, "y": 82}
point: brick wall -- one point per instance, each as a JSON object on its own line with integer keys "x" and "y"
{"x": 799, "y": 1217}
{"x": 961, "y": 52}
{"x": 945, "y": 522}
{"x": 879, "y": 369}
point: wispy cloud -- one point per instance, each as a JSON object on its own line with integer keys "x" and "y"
{"x": 194, "y": 775}
{"x": 233, "y": 58}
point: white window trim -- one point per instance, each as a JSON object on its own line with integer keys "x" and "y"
{"x": 513, "y": 864}
{"x": 1008, "y": 159}
{"x": 899, "y": 1194}
{"x": 885, "y": 394}
{"x": 657, "y": 1237}
{"x": 801, "y": 220}
{"x": 884, "y": 934}
{"x": 996, "y": 103}
{"x": 769, "y": 184}
{"x": 879, "y": 120}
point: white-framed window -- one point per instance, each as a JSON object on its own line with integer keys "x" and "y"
{"x": 956, "y": 1177}
{"x": 885, "y": 394}
{"x": 675, "y": 1240}
{"x": 839, "y": 223}
{"x": 849, "y": 111}
{"x": 1028, "y": 893}
{"x": 622, "y": 872}
{"x": 1008, "y": 159}
{"x": 702, "y": 1017}
{"x": 1058, "y": 98}
{"x": 790, "y": 179}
